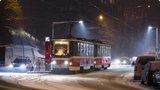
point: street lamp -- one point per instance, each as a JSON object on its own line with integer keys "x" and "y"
{"x": 100, "y": 17}
{"x": 157, "y": 47}
{"x": 81, "y": 22}
{"x": 63, "y": 22}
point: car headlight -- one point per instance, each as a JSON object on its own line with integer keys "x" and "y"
{"x": 53, "y": 62}
{"x": 66, "y": 62}
{"x": 117, "y": 61}
{"x": 10, "y": 66}
{"x": 22, "y": 66}
{"x": 124, "y": 62}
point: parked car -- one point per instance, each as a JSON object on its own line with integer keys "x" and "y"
{"x": 156, "y": 78}
{"x": 150, "y": 76}
{"x": 139, "y": 64}
{"x": 22, "y": 63}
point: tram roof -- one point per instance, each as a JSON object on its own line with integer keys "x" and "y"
{"x": 94, "y": 41}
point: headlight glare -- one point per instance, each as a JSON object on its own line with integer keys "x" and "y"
{"x": 53, "y": 62}
{"x": 70, "y": 63}
{"x": 23, "y": 66}
{"x": 66, "y": 62}
{"x": 117, "y": 61}
{"x": 10, "y": 66}
{"x": 124, "y": 62}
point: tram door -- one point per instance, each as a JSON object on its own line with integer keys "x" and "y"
{"x": 2, "y": 56}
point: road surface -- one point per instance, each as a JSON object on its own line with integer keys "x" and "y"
{"x": 115, "y": 78}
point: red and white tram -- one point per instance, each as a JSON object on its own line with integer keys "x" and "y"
{"x": 77, "y": 55}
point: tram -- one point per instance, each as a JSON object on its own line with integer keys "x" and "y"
{"x": 77, "y": 55}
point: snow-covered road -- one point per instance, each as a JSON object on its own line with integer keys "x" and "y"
{"x": 115, "y": 78}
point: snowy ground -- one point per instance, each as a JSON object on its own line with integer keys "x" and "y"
{"x": 115, "y": 78}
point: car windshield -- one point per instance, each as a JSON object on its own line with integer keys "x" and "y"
{"x": 20, "y": 61}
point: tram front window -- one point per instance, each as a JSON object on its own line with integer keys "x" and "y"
{"x": 61, "y": 49}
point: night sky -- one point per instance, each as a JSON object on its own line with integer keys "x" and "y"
{"x": 39, "y": 15}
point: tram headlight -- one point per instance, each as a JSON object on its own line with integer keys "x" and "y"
{"x": 70, "y": 63}
{"x": 53, "y": 62}
{"x": 66, "y": 62}
{"x": 94, "y": 62}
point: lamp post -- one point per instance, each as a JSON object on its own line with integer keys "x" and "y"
{"x": 62, "y": 22}
{"x": 157, "y": 42}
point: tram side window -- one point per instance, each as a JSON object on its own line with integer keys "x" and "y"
{"x": 106, "y": 51}
{"x": 90, "y": 50}
{"x": 109, "y": 50}
{"x": 100, "y": 50}
{"x": 82, "y": 51}
{"x": 85, "y": 49}
{"x": 99, "y": 54}
{"x": 78, "y": 53}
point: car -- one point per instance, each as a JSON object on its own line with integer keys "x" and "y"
{"x": 139, "y": 65}
{"x": 156, "y": 78}
{"x": 150, "y": 76}
{"x": 122, "y": 61}
{"x": 23, "y": 64}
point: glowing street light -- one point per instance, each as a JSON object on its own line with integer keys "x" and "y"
{"x": 149, "y": 27}
{"x": 101, "y": 17}
{"x": 81, "y": 22}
